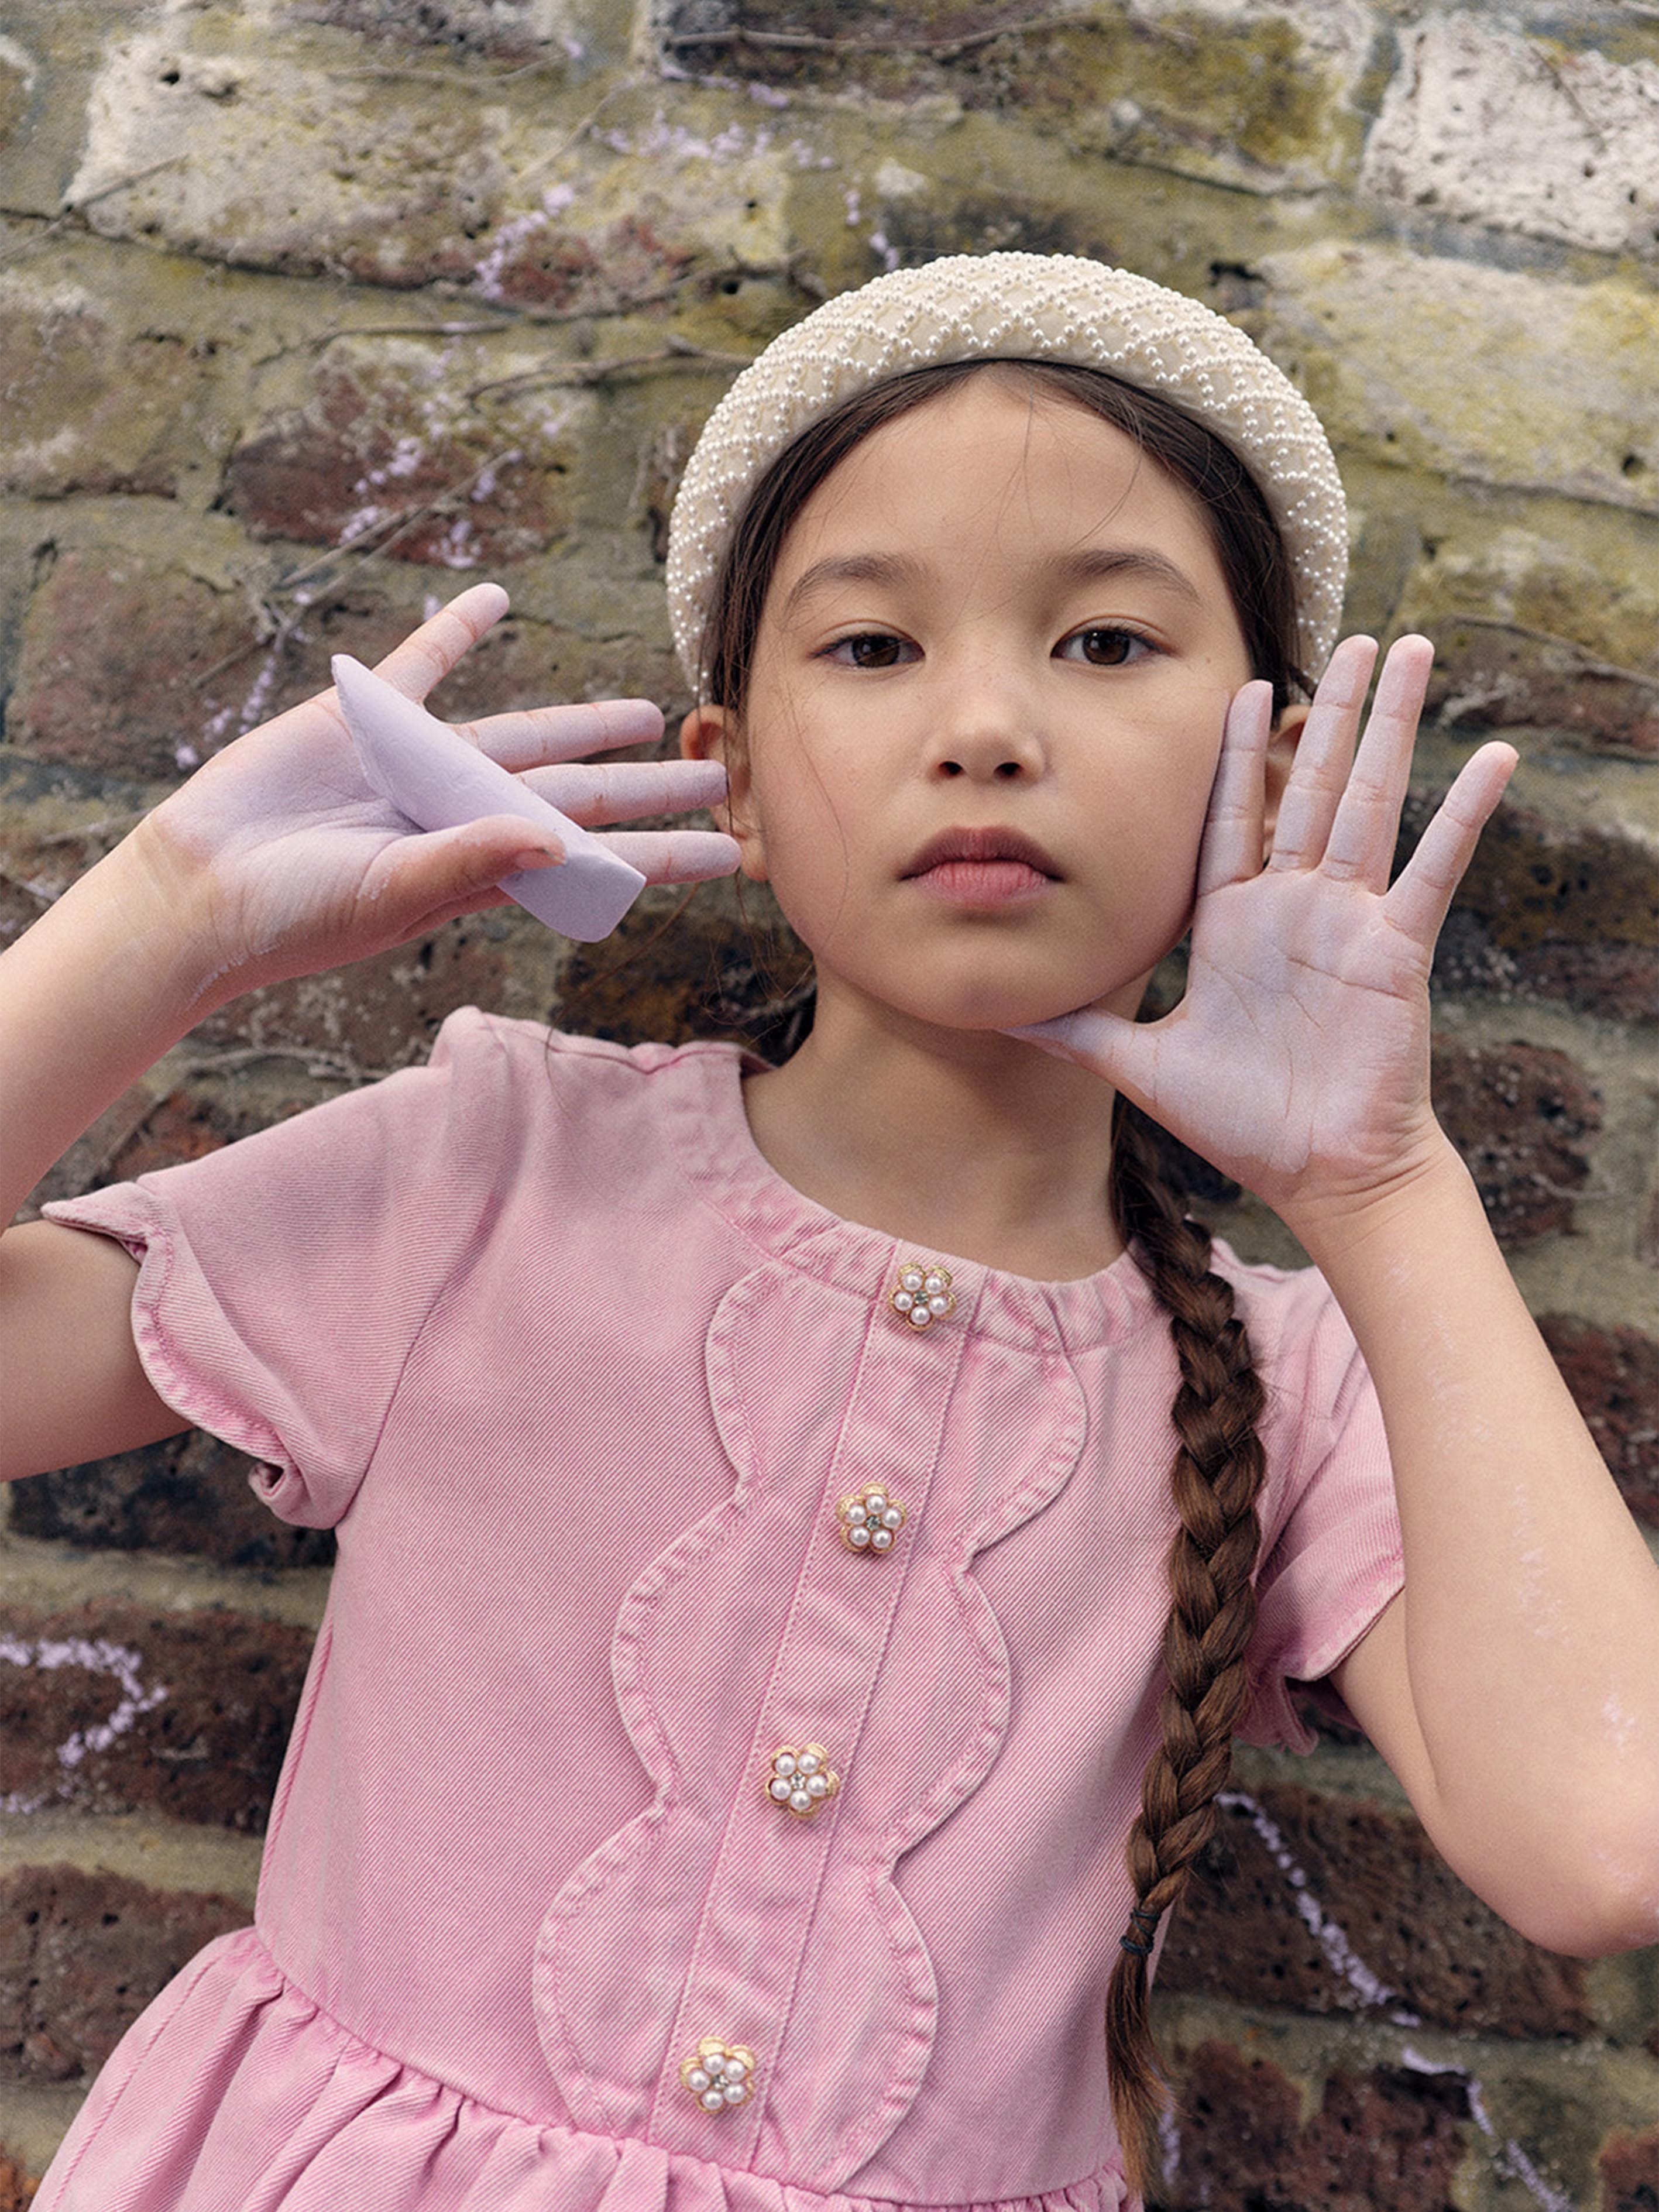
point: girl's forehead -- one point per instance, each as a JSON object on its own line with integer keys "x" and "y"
{"x": 993, "y": 456}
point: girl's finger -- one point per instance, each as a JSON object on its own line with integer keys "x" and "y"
{"x": 1417, "y": 901}
{"x": 1360, "y": 847}
{"x": 622, "y": 791}
{"x": 1231, "y": 851}
{"x": 1324, "y": 755}
{"x": 428, "y": 654}
{"x": 538, "y": 735}
{"x": 677, "y": 856}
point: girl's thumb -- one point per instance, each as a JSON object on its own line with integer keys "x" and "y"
{"x": 1087, "y": 1037}
{"x": 439, "y": 866}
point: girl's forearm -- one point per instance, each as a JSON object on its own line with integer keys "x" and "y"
{"x": 1531, "y": 1607}
{"x": 108, "y": 980}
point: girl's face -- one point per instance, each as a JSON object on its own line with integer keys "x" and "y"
{"x": 985, "y": 712}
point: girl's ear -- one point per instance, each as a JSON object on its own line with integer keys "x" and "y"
{"x": 709, "y": 733}
{"x": 1281, "y": 758}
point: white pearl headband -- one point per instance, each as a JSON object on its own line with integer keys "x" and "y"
{"x": 1019, "y": 307}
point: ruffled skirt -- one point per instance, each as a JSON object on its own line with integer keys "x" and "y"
{"x": 234, "y": 2093}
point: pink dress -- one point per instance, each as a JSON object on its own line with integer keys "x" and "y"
{"x": 583, "y": 1385}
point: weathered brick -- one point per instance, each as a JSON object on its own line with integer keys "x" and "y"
{"x": 534, "y": 259}
{"x": 189, "y": 1494}
{"x": 501, "y": 30}
{"x": 109, "y": 1707}
{"x": 377, "y": 1014}
{"x": 1488, "y": 677}
{"x": 1260, "y": 102}
{"x": 389, "y": 451}
{"x": 117, "y": 667}
{"x": 17, "y": 2186}
{"x": 1447, "y": 366}
{"x": 119, "y": 674}
{"x": 1629, "y": 2168}
{"x": 1555, "y": 912}
{"x": 264, "y": 158}
{"x": 1614, "y": 1376}
{"x": 1379, "y": 1925}
{"x": 1525, "y": 1118}
{"x": 1484, "y": 123}
{"x": 680, "y": 975}
{"x": 81, "y": 1956}
{"x": 1384, "y": 2138}
{"x": 90, "y": 408}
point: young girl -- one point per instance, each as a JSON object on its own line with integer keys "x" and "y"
{"x": 773, "y": 1689}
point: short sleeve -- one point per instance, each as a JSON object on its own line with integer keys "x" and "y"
{"x": 284, "y": 1280}
{"x": 1333, "y": 1557}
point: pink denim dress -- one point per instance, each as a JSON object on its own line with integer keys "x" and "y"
{"x": 593, "y": 1400}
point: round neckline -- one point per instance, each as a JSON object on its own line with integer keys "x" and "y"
{"x": 719, "y": 1156}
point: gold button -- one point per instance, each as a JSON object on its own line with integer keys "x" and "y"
{"x": 922, "y": 1293}
{"x": 870, "y": 1521}
{"x": 800, "y": 1779}
{"x": 721, "y": 2075}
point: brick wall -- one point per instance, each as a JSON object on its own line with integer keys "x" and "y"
{"x": 313, "y": 309}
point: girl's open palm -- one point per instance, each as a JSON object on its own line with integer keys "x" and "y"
{"x": 1297, "y": 1061}
{"x": 295, "y": 865}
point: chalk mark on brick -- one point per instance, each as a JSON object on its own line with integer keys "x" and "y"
{"x": 99, "y": 1657}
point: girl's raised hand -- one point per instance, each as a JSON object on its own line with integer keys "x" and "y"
{"x": 288, "y": 863}
{"x": 1297, "y": 1061}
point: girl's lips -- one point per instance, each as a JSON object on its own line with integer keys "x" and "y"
{"x": 982, "y": 868}
{"x": 982, "y": 883}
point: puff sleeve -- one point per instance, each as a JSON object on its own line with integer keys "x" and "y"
{"x": 284, "y": 1281}
{"x": 1331, "y": 1556}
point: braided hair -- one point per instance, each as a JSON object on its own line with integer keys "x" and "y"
{"x": 1217, "y": 1477}
{"x": 1218, "y": 1466}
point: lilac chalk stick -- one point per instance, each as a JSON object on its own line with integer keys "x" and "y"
{"x": 440, "y": 782}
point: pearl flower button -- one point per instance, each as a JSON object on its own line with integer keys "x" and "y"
{"x": 922, "y": 1294}
{"x": 721, "y": 2075}
{"x": 801, "y": 1779}
{"x": 870, "y": 1521}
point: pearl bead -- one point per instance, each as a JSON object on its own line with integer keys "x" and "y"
{"x": 800, "y": 1802}
{"x": 736, "y": 2071}
{"x": 817, "y": 1787}
{"x": 736, "y": 2093}
{"x": 903, "y": 1300}
{"x": 808, "y": 1762}
{"x": 860, "y": 1536}
{"x": 919, "y": 1316}
{"x": 862, "y": 1510}
{"x": 784, "y": 1762}
{"x": 881, "y": 1540}
{"x": 696, "y": 2079}
{"x": 780, "y": 1789}
{"x": 892, "y": 1518}
{"x": 713, "y": 2100}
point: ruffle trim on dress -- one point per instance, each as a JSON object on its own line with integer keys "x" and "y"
{"x": 235, "y": 2093}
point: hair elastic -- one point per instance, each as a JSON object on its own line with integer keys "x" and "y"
{"x": 1149, "y": 1921}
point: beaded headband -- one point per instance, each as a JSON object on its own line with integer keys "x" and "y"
{"x": 1015, "y": 307}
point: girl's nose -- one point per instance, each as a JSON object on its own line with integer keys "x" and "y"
{"x": 989, "y": 735}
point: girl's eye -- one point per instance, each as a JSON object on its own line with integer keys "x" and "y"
{"x": 870, "y": 649}
{"x": 1103, "y": 649}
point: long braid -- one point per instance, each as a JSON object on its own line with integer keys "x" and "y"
{"x": 1216, "y": 1478}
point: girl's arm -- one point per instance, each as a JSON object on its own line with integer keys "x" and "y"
{"x": 274, "y": 860}
{"x": 1514, "y": 1685}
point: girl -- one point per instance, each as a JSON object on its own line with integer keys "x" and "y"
{"x": 764, "y": 1612}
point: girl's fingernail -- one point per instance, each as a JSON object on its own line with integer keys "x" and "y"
{"x": 540, "y": 858}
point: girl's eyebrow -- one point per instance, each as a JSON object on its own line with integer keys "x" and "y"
{"x": 1089, "y": 564}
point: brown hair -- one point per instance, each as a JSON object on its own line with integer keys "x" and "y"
{"x": 1218, "y": 1465}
